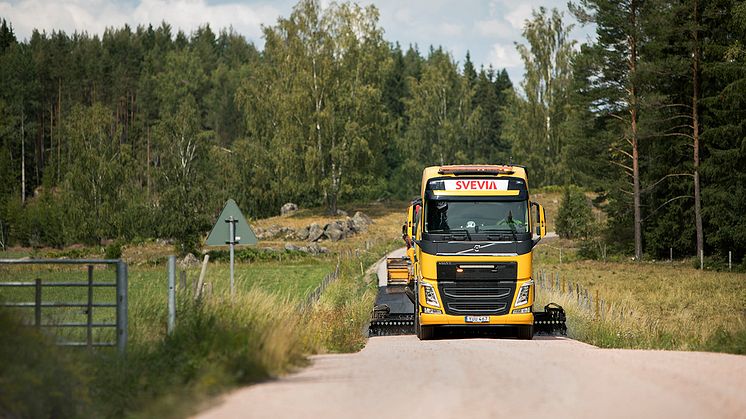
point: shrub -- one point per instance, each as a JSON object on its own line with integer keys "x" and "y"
{"x": 574, "y": 217}
{"x": 114, "y": 250}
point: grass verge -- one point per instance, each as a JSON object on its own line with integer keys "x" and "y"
{"x": 651, "y": 305}
{"x": 219, "y": 343}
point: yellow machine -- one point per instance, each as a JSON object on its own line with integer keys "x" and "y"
{"x": 400, "y": 270}
{"x": 473, "y": 242}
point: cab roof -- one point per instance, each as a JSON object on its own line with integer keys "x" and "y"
{"x": 472, "y": 171}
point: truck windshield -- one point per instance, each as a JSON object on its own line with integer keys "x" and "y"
{"x": 476, "y": 216}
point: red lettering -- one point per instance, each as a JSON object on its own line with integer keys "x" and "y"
{"x": 459, "y": 185}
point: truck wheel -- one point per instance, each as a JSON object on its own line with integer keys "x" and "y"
{"x": 526, "y": 332}
{"x": 416, "y": 321}
{"x": 426, "y": 332}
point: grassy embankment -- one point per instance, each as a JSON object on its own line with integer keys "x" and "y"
{"x": 219, "y": 343}
{"x": 648, "y": 305}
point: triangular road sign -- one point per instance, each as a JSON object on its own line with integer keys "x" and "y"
{"x": 220, "y": 234}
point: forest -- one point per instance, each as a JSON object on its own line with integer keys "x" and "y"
{"x": 144, "y": 132}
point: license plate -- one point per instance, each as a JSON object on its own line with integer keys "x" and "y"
{"x": 477, "y": 319}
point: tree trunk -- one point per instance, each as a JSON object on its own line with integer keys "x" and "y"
{"x": 695, "y": 134}
{"x": 59, "y": 128}
{"x": 633, "y": 111}
{"x": 23, "y": 159}
{"x": 147, "y": 163}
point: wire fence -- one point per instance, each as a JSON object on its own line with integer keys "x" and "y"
{"x": 589, "y": 302}
{"x": 314, "y": 296}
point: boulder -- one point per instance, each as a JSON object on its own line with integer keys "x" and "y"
{"x": 287, "y": 233}
{"x": 348, "y": 226}
{"x": 290, "y": 247}
{"x": 342, "y": 213}
{"x": 301, "y": 233}
{"x": 316, "y": 249}
{"x": 361, "y": 221}
{"x": 334, "y": 231}
{"x": 288, "y": 208}
{"x": 315, "y": 232}
{"x": 188, "y": 261}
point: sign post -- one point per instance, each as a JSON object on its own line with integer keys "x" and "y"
{"x": 232, "y": 242}
{"x": 232, "y": 229}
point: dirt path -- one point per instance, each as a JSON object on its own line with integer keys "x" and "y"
{"x": 487, "y": 378}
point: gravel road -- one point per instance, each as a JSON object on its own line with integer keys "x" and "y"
{"x": 489, "y": 378}
{"x": 486, "y": 378}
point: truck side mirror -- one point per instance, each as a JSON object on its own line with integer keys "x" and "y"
{"x": 539, "y": 219}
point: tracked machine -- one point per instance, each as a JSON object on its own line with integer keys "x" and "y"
{"x": 393, "y": 313}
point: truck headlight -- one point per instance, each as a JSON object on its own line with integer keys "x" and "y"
{"x": 428, "y": 310}
{"x": 523, "y": 291}
{"x": 430, "y": 297}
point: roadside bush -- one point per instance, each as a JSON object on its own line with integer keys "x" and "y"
{"x": 38, "y": 379}
{"x": 114, "y": 250}
{"x": 574, "y": 217}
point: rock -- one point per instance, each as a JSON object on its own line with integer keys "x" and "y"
{"x": 348, "y": 226}
{"x": 290, "y": 247}
{"x": 287, "y": 233}
{"x": 301, "y": 233}
{"x": 334, "y": 231}
{"x": 315, "y": 232}
{"x": 361, "y": 221}
{"x": 288, "y": 209}
{"x": 315, "y": 249}
{"x": 188, "y": 261}
{"x": 342, "y": 213}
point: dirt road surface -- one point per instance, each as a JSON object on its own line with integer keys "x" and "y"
{"x": 399, "y": 376}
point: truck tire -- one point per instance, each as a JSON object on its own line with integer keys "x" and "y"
{"x": 526, "y": 332}
{"x": 426, "y": 332}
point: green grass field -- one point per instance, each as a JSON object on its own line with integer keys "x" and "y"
{"x": 148, "y": 292}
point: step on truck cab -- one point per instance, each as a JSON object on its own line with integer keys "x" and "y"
{"x": 473, "y": 248}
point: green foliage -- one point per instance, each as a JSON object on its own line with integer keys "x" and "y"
{"x": 113, "y": 250}
{"x": 251, "y": 254}
{"x": 574, "y": 217}
{"x": 536, "y": 122}
{"x": 38, "y": 379}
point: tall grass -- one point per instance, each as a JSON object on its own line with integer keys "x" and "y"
{"x": 653, "y": 305}
{"x": 220, "y": 342}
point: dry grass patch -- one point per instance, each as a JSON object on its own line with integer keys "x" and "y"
{"x": 656, "y": 305}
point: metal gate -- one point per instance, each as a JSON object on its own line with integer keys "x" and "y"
{"x": 39, "y": 285}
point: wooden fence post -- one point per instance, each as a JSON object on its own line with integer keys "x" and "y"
{"x": 596, "y": 303}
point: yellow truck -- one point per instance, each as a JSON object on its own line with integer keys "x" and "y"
{"x": 472, "y": 247}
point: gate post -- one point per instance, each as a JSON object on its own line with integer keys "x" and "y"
{"x": 171, "y": 295}
{"x": 121, "y": 306}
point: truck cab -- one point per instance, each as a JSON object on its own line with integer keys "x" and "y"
{"x": 473, "y": 247}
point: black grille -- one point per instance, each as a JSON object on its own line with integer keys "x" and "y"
{"x": 476, "y": 297}
{"x": 455, "y": 271}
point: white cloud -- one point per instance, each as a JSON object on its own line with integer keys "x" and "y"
{"x": 502, "y": 55}
{"x": 518, "y": 15}
{"x": 451, "y": 29}
{"x": 94, "y": 16}
{"x": 494, "y": 28}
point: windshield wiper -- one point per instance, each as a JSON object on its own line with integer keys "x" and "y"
{"x": 468, "y": 236}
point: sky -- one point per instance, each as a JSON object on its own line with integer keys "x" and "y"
{"x": 488, "y": 29}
